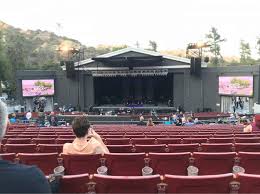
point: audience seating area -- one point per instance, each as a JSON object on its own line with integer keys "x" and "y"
{"x": 168, "y": 150}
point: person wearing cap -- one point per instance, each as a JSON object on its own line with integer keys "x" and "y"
{"x": 254, "y": 126}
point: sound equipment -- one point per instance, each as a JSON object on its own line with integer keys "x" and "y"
{"x": 195, "y": 66}
{"x": 70, "y": 69}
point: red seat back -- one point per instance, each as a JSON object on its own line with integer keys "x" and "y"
{"x": 249, "y": 183}
{"x": 8, "y": 156}
{"x": 169, "y": 163}
{"x": 20, "y": 148}
{"x": 120, "y": 148}
{"x": 74, "y": 183}
{"x": 183, "y": 147}
{"x": 250, "y": 162}
{"x": 198, "y": 184}
{"x": 46, "y": 162}
{"x": 125, "y": 164}
{"x": 247, "y": 147}
{"x": 160, "y": 148}
{"x": 217, "y": 147}
{"x": 81, "y": 163}
{"x": 50, "y": 148}
{"x": 126, "y": 184}
{"x": 214, "y": 163}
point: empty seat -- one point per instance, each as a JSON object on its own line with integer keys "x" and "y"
{"x": 169, "y": 163}
{"x": 8, "y": 156}
{"x": 216, "y": 147}
{"x": 198, "y": 184}
{"x": 74, "y": 183}
{"x": 134, "y": 136}
{"x": 45, "y": 161}
{"x": 183, "y": 147}
{"x": 112, "y": 136}
{"x": 47, "y": 136}
{"x": 156, "y": 136}
{"x": 150, "y": 148}
{"x": 195, "y": 140}
{"x": 247, "y": 140}
{"x": 81, "y": 163}
{"x": 248, "y": 183}
{"x": 214, "y": 163}
{"x": 221, "y": 140}
{"x": 19, "y": 148}
{"x": 67, "y": 136}
{"x": 247, "y": 147}
{"x": 145, "y": 141}
{"x": 19, "y": 141}
{"x": 250, "y": 162}
{"x": 50, "y": 148}
{"x": 63, "y": 141}
{"x": 117, "y": 141}
{"x": 120, "y": 148}
{"x": 125, "y": 164}
{"x": 168, "y": 140}
{"x": 43, "y": 140}
{"x": 125, "y": 184}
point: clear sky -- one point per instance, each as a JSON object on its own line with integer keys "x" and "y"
{"x": 172, "y": 23}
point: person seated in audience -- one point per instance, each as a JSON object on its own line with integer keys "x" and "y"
{"x": 254, "y": 126}
{"x": 53, "y": 120}
{"x": 12, "y": 118}
{"x": 189, "y": 122}
{"x": 150, "y": 122}
{"x": 141, "y": 121}
{"x": 87, "y": 140}
{"x": 18, "y": 178}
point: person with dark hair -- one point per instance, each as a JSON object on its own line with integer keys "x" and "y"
{"x": 18, "y": 178}
{"x": 87, "y": 140}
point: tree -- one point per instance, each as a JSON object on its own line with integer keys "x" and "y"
{"x": 245, "y": 53}
{"x": 258, "y": 45}
{"x": 214, "y": 39}
{"x": 153, "y": 45}
{"x": 4, "y": 68}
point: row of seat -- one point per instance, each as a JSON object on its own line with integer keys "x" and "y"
{"x": 139, "y": 140}
{"x": 192, "y": 147}
{"x": 100, "y": 184}
{"x": 131, "y": 164}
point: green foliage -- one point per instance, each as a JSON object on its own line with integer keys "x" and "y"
{"x": 153, "y": 45}
{"x": 258, "y": 45}
{"x": 245, "y": 53}
{"x": 214, "y": 39}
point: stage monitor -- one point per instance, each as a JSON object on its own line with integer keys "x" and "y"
{"x": 236, "y": 85}
{"x": 42, "y": 87}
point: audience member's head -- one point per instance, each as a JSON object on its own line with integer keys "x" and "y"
{"x": 141, "y": 118}
{"x": 3, "y": 119}
{"x": 189, "y": 119}
{"x": 80, "y": 126}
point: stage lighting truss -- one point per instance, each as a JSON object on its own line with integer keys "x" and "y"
{"x": 132, "y": 73}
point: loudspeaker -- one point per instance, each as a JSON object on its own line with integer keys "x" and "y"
{"x": 195, "y": 66}
{"x": 70, "y": 69}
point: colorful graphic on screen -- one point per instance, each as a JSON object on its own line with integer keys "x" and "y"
{"x": 236, "y": 86}
{"x": 43, "y": 87}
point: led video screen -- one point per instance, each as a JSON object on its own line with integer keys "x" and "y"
{"x": 43, "y": 87}
{"x": 236, "y": 85}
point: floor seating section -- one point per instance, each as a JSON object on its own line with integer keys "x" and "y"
{"x": 250, "y": 162}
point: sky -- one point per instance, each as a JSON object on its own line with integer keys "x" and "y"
{"x": 171, "y": 23}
